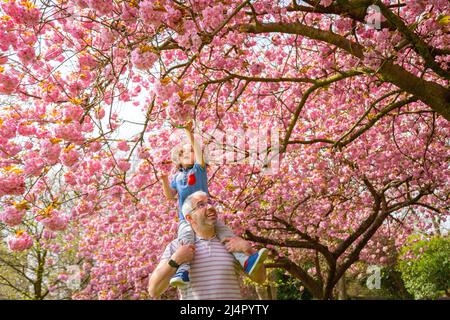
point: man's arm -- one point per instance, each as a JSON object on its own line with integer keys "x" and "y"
{"x": 168, "y": 191}
{"x": 197, "y": 149}
{"x": 237, "y": 244}
{"x": 159, "y": 280}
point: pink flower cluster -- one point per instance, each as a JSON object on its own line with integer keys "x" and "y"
{"x": 8, "y": 129}
{"x": 326, "y": 3}
{"x": 143, "y": 60}
{"x": 12, "y": 216}
{"x": 256, "y": 68}
{"x": 12, "y": 184}
{"x": 21, "y": 14}
{"x": 178, "y": 111}
{"x": 123, "y": 146}
{"x": 54, "y": 52}
{"x": 149, "y": 13}
{"x": 34, "y": 164}
{"x": 26, "y": 54}
{"x": 102, "y": 7}
{"x": 69, "y": 158}
{"x": 55, "y": 222}
{"x": 213, "y": 16}
{"x": 20, "y": 242}
{"x": 50, "y": 151}
{"x": 73, "y": 112}
{"x": 70, "y": 132}
{"x": 124, "y": 165}
{"x": 8, "y": 83}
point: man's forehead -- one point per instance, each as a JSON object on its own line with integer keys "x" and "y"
{"x": 199, "y": 198}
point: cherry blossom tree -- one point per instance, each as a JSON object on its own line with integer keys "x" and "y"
{"x": 357, "y": 92}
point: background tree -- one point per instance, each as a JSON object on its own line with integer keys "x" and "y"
{"x": 425, "y": 266}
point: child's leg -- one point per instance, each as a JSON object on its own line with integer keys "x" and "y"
{"x": 224, "y": 232}
{"x": 185, "y": 235}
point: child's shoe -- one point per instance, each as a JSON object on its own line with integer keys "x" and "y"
{"x": 255, "y": 261}
{"x": 180, "y": 279}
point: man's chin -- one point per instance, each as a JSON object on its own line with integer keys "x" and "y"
{"x": 211, "y": 221}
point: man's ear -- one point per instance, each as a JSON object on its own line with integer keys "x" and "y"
{"x": 188, "y": 218}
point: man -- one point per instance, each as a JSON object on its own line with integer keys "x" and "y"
{"x": 214, "y": 271}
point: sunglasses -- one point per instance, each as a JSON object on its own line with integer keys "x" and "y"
{"x": 203, "y": 204}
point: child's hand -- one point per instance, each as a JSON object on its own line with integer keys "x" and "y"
{"x": 184, "y": 253}
{"x": 189, "y": 125}
{"x": 237, "y": 244}
{"x": 164, "y": 168}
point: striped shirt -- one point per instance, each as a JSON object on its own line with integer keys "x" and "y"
{"x": 214, "y": 273}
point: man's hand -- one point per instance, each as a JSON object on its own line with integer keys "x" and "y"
{"x": 160, "y": 277}
{"x": 237, "y": 244}
{"x": 184, "y": 253}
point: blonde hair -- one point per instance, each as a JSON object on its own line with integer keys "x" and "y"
{"x": 175, "y": 154}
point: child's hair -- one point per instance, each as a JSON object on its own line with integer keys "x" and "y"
{"x": 175, "y": 155}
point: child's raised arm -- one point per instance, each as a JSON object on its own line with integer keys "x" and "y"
{"x": 197, "y": 150}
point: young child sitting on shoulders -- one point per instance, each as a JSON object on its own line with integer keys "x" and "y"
{"x": 192, "y": 177}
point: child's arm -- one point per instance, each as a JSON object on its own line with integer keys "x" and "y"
{"x": 168, "y": 191}
{"x": 197, "y": 150}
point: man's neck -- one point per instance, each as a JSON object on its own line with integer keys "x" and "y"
{"x": 206, "y": 232}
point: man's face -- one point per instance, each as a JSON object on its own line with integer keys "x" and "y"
{"x": 203, "y": 214}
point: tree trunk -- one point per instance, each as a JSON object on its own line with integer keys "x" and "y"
{"x": 269, "y": 291}
{"x": 342, "y": 289}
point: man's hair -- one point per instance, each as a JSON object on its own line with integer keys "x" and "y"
{"x": 187, "y": 207}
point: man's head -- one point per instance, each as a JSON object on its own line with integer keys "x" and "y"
{"x": 199, "y": 210}
{"x": 183, "y": 155}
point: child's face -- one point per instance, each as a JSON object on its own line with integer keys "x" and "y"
{"x": 187, "y": 155}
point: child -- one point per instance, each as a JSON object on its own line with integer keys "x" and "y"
{"x": 191, "y": 177}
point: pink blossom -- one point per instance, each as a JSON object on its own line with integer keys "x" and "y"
{"x": 143, "y": 60}
{"x": 12, "y": 216}
{"x": 123, "y": 164}
{"x": 256, "y": 68}
{"x": 34, "y": 166}
{"x": 70, "y": 132}
{"x": 26, "y": 55}
{"x": 69, "y": 158}
{"x": 123, "y": 146}
{"x": 56, "y": 222}
{"x": 20, "y": 242}
{"x": 12, "y": 184}
{"x": 8, "y": 83}
{"x": 8, "y": 130}
{"x": 102, "y": 7}
{"x": 50, "y": 151}
{"x": 73, "y": 112}
{"x": 179, "y": 112}
{"x": 149, "y": 14}
{"x": 326, "y": 3}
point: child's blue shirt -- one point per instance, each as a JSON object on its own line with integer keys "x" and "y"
{"x": 187, "y": 181}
